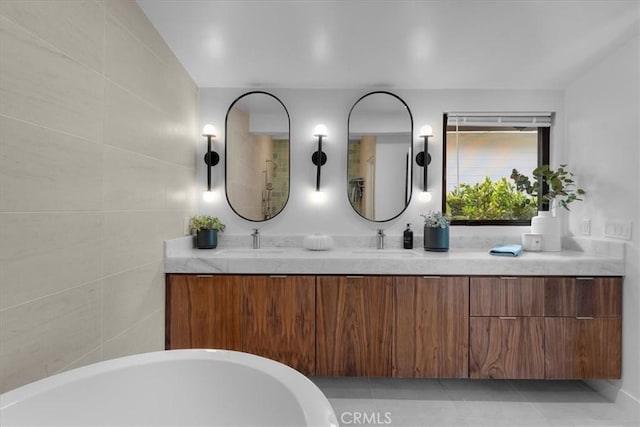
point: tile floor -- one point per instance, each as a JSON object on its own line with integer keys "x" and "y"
{"x": 361, "y": 401}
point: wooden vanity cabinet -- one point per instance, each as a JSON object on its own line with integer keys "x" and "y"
{"x": 506, "y": 327}
{"x": 406, "y": 326}
{"x": 583, "y": 327}
{"x": 203, "y": 311}
{"x": 430, "y": 327}
{"x": 279, "y": 319}
{"x": 353, "y": 325}
{"x": 271, "y": 316}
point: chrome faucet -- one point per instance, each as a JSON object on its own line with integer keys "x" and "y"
{"x": 380, "y": 239}
{"x": 256, "y": 238}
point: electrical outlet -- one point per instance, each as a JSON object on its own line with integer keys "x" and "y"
{"x": 585, "y": 227}
{"x": 618, "y": 229}
{"x": 185, "y": 226}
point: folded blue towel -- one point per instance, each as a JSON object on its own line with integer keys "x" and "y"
{"x": 506, "y": 250}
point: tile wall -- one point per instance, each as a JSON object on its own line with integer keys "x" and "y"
{"x": 98, "y": 132}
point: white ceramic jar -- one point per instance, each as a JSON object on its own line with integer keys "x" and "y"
{"x": 549, "y": 227}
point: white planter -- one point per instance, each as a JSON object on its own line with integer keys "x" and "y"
{"x": 549, "y": 227}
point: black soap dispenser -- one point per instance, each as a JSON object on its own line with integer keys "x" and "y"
{"x": 408, "y": 238}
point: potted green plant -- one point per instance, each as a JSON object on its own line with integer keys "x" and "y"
{"x": 206, "y": 228}
{"x": 436, "y": 232}
{"x": 561, "y": 191}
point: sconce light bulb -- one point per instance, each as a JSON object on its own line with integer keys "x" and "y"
{"x": 320, "y": 130}
{"x": 425, "y": 196}
{"x": 209, "y": 130}
{"x": 426, "y": 130}
{"x": 318, "y": 197}
{"x": 208, "y": 196}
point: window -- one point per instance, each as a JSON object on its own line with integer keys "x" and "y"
{"x": 480, "y": 151}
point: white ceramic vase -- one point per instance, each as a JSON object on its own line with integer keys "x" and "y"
{"x": 549, "y": 227}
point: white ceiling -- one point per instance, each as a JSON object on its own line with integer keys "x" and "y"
{"x": 438, "y": 44}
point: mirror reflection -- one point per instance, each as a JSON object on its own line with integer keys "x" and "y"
{"x": 257, "y": 156}
{"x": 379, "y": 158}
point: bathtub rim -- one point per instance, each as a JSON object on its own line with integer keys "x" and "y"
{"x": 314, "y": 404}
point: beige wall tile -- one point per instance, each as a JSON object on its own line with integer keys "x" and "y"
{"x": 134, "y": 124}
{"x": 93, "y": 356}
{"x": 59, "y": 241}
{"x": 180, "y": 144}
{"x": 176, "y": 96}
{"x": 133, "y": 19}
{"x": 42, "y": 85}
{"x": 132, "y": 181}
{"x": 180, "y": 189}
{"x": 173, "y": 223}
{"x": 145, "y": 336}
{"x": 45, "y": 253}
{"x": 132, "y": 296}
{"x": 131, "y": 64}
{"x": 184, "y": 124}
{"x": 74, "y": 27}
{"x": 45, "y": 170}
{"x": 132, "y": 239}
{"x": 39, "y": 338}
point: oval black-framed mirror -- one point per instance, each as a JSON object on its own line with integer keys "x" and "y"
{"x": 380, "y": 149}
{"x": 257, "y": 156}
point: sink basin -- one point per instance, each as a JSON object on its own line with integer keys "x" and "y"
{"x": 384, "y": 252}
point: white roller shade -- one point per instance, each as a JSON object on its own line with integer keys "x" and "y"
{"x": 497, "y": 119}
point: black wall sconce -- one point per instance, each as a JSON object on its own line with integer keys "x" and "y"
{"x": 423, "y": 158}
{"x": 211, "y": 158}
{"x": 319, "y": 158}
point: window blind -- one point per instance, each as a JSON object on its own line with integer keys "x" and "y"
{"x": 497, "y": 119}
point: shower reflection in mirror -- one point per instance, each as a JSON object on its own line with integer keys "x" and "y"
{"x": 379, "y": 166}
{"x": 257, "y": 156}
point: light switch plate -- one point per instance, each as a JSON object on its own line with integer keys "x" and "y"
{"x": 618, "y": 229}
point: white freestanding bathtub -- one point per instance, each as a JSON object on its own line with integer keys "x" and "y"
{"x": 171, "y": 388}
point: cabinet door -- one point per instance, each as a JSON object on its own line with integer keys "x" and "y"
{"x": 353, "y": 327}
{"x": 278, "y": 319}
{"x": 202, "y": 312}
{"x": 511, "y": 347}
{"x": 578, "y": 348}
{"x": 431, "y": 327}
{"x": 507, "y": 296}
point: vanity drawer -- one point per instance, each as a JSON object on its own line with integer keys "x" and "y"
{"x": 506, "y": 296}
{"x": 506, "y": 347}
{"x": 583, "y": 296}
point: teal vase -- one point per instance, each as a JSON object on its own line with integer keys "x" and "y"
{"x": 206, "y": 239}
{"x": 436, "y": 239}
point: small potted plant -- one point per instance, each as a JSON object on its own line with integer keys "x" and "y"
{"x": 436, "y": 232}
{"x": 206, "y": 228}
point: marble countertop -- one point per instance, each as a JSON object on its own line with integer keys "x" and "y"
{"x": 181, "y": 257}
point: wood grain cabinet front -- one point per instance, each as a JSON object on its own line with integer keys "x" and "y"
{"x": 279, "y": 319}
{"x": 353, "y": 326}
{"x": 406, "y": 326}
{"x": 203, "y": 311}
{"x": 506, "y": 327}
{"x": 583, "y": 327}
{"x": 271, "y": 316}
{"x": 431, "y": 327}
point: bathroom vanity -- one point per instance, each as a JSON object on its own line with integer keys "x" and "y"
{"x": 356, "y": 312}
